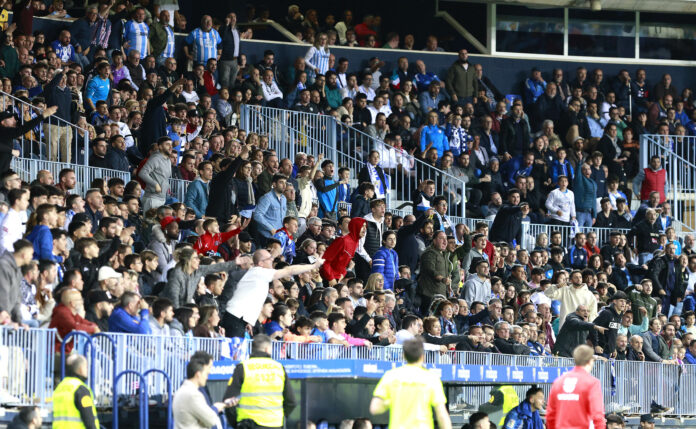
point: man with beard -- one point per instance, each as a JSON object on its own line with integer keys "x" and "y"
{"x": 100, "y": 308}
{"x": 156, "y": 173}
{"x": 164, "y": 240}
{"x": 461, "y": 82}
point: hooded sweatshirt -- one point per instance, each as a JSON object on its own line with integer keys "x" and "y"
{"x": 339, "y": 254}
{"x": 571, "y": 298}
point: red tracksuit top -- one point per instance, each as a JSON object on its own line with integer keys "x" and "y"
{"x": 575, "y": 402}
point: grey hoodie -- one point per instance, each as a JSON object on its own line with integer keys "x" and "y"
{"x": 156, "y": 171}
{"x": 10, "y": 279}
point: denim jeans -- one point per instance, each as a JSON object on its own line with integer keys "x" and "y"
{"x": 584, "y": 219}
{"x": 644, "y": 258}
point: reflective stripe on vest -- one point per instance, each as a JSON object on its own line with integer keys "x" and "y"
{"x": 65, "y": 413}
{"x": 261, "y": 396}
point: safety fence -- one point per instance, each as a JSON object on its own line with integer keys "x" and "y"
{"x": 28, "y": 170}
{"x": 54, "y": 139}
{"x": 678, "y": 158}
{"x": 291, "y": 132}
{"x": 26, "y": 366}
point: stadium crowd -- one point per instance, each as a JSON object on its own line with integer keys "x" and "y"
{"x": 126, "y": 257}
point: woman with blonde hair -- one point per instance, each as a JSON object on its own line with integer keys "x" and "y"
{"x": 375, "y": 282}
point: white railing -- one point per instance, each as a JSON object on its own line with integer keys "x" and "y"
{"x": 678, "y": 157}
{"x": 54, "y": 139}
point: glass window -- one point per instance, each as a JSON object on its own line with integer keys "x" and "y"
{"x": 669, "y": 37}
{"x": 534, "y": 31}
{"x": 611, "y": 34}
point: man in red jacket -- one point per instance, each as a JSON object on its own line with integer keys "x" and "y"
{"x": 575, "y": 401}
{"x": 68, "y": 316}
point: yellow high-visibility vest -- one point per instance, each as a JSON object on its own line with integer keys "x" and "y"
{"x": 65, "y": 413}
{"x": 261, "y": 398}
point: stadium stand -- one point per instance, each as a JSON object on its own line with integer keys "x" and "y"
{"x": 168, "y": 187}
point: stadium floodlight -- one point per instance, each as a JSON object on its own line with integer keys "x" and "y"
{"x": 596, "y": 5}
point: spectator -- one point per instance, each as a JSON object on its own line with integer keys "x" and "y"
{"x": 507, "y": 226}
{"x": 183, "y": 279}
{"x": 317, "y": 57}
{"x": 271, "y": 208}
{"x": 534, "y": 87}
{"x": 572, "y": 296}
{"x": 585, "y": 197}
{"x": 155, "y": 174}
{"x": 131, "y": 316}
{"x": 651, "y": 179}
{"x": 386, "y": 261}
{"x": 461, "y": 83}
{"x": 13, "y": 224}
{"x": 575, "y": 331}
{"x": 203, "y": 43}
{"x": 561, "y": 203}
{"x": 433, "y": 263}
{"x": 644, "y": 237}
{"x": 67, "y": 317}
{"x": 197, "y": 191}
{"x": 610, "y": 318}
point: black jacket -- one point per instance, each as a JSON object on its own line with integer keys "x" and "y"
{"x": 647, "y": 236}
{"x": 7, "y": 135}
{"x": 508, "y": 137}
{"x": 407, "y": 244}
{"x": 604, "y": 221}
{"x": 507, "y": 225}
{"x": 510, "y": 347}
{"x": 658, "y": 272}
{"x": 154, "y": 123}
{"x": 61, "y": 98}
{"x": 608, "y": 318}
{"x": 222, "y": 186}
{"x": 574, "y": 332}
{"x": 90, "y": 267}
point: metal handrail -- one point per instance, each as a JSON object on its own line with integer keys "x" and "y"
{"x": 65, "y": 143}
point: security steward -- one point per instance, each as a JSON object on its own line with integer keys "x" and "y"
{"x": 260, "y": 389}
{"x": 73, "y": 400}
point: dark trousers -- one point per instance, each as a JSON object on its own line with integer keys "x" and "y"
{"x": 234, "y": 326}
{"x": 424, "y": 307}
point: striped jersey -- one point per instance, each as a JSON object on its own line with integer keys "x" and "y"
{"x": 204, "y": 44}
{"x": 136, "y": 34}
{"x": 169, "y": 49}
{"x": 318, "y": 58}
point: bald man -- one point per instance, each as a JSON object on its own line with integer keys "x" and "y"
{"x": 247, "y": 302}
{"x": 68, "y": 316}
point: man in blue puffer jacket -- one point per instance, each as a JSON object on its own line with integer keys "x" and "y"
{"x": 585, "y": 190}
{"x": 386, "y": 261}
{"x": 526, "y": 415}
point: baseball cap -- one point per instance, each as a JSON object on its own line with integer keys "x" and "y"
{"x": 107, "y": 272}
{"x": 97, "y": 296}
{"x": 244, "y": 237}
{"x": 615, "y": 418}
{"x": 167, "y": 220}
{"x": 647, "y": 418}
{"x": 619, "y": 295}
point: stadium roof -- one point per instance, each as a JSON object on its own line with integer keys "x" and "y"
{"x": 681, "y": 6}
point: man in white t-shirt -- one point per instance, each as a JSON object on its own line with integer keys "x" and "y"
{"x": 244, "y": 307}
{"x": 14, "y": 223}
